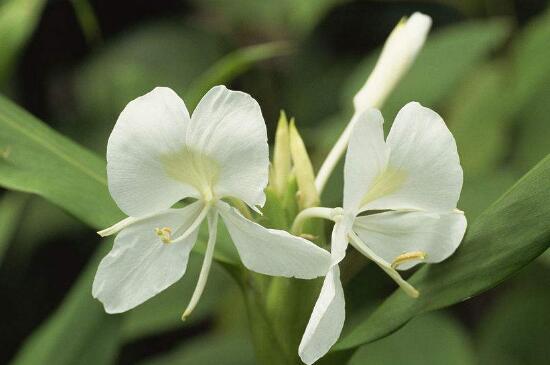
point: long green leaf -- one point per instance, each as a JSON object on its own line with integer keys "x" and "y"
{"x": 506, "y": 237}
{"x": 11, "y": 207}
{"x": 37, "y": 159}
{"x": 232, "y": 65}
{"x": 79, "y": 332}
{"x": 17, "y": 22}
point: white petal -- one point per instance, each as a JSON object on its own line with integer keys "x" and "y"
{"x": 228, "y": 127}
{"x": 272, "y": 251}
{"x": 424, "y": 169}
{"x": 140, "y": 266}
{"x": 326, "y": 321}
{"x": 366, "y": 158}
{"x": 339, "y": 239}
{"x": 394, "y": 233}
{"x": 148, "y": 129}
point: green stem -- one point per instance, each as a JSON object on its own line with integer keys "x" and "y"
{"x": 268, "y": 346}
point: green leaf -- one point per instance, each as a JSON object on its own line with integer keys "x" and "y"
{"x": 79, "y": 332}
{"x": 514, "y": 329}
{"x": 447, "y": 57}
{"x": 480, "y": 116}
{"x": 434, "y": 338}
{"x": 220, "y": 349}
{"x": 36, "y": 159}
{"x": 17, "y": 22}
{"x": 232, "y": 65}
{"x": 506, "y": 237}
{"x": 11, "y": 209}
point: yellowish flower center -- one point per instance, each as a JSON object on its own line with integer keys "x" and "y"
{"x": 386, "y": 183}
{"x": 194, "y": 169}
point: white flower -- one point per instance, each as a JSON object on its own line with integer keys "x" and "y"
{"x": 158, "y": 155}
{"x": 399, "y": 210}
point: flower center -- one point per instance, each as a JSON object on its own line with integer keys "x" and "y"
{"x": 386, "y": 183}
{"x": 165, "y": 234}
{"x": 193, "y": 168}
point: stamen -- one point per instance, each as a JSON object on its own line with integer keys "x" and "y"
{"x": 408, "y": 256}
{"x": 165, "y": 234}
{"x": 365, "y": 250}
{"x": 205, "y": 270}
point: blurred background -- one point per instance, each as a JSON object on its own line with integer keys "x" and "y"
{"x": 75, "y": 64}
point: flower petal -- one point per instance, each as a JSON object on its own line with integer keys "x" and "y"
{"x": 326, "y": 321}
{"x": 228, "y": 127}
{"x": 140, "y": 266}
{"x": 339, "y": 239}
{"x": 150, "y": 127}
{"x": 366, "y": 158}
{"x": 424, "y": 169}
{"x": 396, "y": 233}
{"x": 272, "y": 251}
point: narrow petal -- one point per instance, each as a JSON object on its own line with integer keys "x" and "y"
{"x": 424, "y": 168}
{"x": 366, "y": 158}
{"x": 148, "y": 129}
{"x": 228, "y": 127}
{"x": 326, "y": 321}
{"x": 140, "y": 265}
{"x": 271, "y": 251}
{"x": 395, "y": 234}
{"x": 205, "y": 269}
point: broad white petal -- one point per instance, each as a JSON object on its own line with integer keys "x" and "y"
{"x": 394, "y": 233}
{"x": 366, "y": 158}
{"x": 228, "y": 127}
{"x": 140, "y": 266}
{"x": 326, "y": 321}
{"x": 424, "y": 170}
{"x": 150, "y": 128}
{"x": 272, "y": 251}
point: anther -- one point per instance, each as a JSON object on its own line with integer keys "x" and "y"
{"x": 408, "y": 256}
{"x": 165, "y": 234}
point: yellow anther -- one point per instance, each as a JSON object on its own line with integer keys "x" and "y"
{"x": 408, "y": 256}
{"x": 165, "y": 234}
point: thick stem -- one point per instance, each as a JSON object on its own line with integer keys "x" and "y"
{"x": 267, "y": 344}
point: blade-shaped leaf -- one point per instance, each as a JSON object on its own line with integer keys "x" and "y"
{"x": 17, "y": 22}
{"x": 506, "y": 237}
{"x": 11, "y": 207}
{"x": 36, "y": 159}
{"x": 79, "y": 332}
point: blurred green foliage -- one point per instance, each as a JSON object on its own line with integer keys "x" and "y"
{"x": 485, "y": 69}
